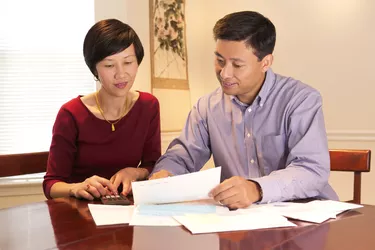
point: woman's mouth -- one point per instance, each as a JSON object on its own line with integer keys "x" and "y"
{"x": 121, "y": 85}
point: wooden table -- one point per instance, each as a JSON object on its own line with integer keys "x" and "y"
{"x": 67, "y": 224}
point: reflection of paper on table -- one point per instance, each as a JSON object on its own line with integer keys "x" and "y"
{"x": 110, "y": 214}
{"x": 187, "y": 187}
{"x": 171, "y": 238}
{"x": 204, "y": 223}
{"x": 315, "y": 211}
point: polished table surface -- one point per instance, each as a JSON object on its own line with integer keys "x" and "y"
{"x": 66, "y": 223}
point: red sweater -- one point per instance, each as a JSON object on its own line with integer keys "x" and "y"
{"x": 84, "y": 145}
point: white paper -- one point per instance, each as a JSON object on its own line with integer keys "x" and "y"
{"x": 221, "y": 223}
{"x": 152, "y": 220}
{"x": 162, "y": 215}
{"x": 315, "y": 211}
{"x": 187, "y": 187}
{"x": 110, "y": 214}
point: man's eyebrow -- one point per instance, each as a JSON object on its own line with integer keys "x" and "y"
{"x": 232, "y": 58}
{"x": 218, "y": 54}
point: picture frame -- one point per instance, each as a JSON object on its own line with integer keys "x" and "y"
{"x": 169, "y": 65}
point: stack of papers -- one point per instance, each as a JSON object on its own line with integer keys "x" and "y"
{"x": 198, "y": 223}
{"x": 183, "y": 200}
{"x": 316, "y": 211}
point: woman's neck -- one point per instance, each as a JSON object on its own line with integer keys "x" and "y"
{"x": 113, "y": 106}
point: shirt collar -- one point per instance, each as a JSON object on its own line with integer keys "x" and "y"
{"x": 266, "y": 88}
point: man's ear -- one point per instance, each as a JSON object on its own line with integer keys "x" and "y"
{"x": 267, "y": 62}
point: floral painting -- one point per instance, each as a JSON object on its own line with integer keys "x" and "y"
{"x": 168, "y": 44}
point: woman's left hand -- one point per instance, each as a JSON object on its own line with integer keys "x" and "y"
{"x": 126, "y": 176}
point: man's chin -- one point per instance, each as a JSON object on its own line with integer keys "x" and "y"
{"x": 229, "y": 91}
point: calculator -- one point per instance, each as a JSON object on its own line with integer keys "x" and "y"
{"x": 115, "y": 200}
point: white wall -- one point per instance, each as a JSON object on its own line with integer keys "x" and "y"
{"x": 326, "y": 44}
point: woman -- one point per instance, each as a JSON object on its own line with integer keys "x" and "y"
{"x": 111, "y": 137}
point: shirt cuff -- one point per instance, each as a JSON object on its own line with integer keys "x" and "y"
{"x": 270, "y": 190}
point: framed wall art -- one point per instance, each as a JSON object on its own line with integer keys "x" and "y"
{"x": 168, "y": 45}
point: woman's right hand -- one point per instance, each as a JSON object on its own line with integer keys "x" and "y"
{"x": 93, "y": 187}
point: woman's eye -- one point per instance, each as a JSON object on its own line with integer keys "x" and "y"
{"x": 108, "y": 65}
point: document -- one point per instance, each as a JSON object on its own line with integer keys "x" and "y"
{"x": 210, "y": 223}
{"x": 315, "y": 211}
{"x": 187, "y": 187}
{"x": 110, "y": 214}
{"x": 162, "y": 215}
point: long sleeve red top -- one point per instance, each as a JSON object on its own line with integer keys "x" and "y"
{"x": 84, "y": 145}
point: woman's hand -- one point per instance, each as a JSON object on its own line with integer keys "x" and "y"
{"x": 93, "y": 187}
{"x": 126, "y": 176}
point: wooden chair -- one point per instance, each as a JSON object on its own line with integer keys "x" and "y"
{"x": 19, "y": 164}
{"x": 356, "y": 161}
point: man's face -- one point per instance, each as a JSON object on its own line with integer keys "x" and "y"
{"x": 238, "y": 70}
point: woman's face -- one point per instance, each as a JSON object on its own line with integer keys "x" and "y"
{"x": 117, "y": 72}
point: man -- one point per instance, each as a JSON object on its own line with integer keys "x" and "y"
{"x": 265, "y": 130}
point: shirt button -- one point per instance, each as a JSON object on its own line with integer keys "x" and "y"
{"x": 248, "y": 134}
{"x": 252, "y": 161}
{"x": 249, "y": 110}
{"x": 261, "y": 105}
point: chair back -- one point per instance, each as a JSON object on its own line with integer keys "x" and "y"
{"x": 19, "y": 164}
{"x": 351, "y": 160}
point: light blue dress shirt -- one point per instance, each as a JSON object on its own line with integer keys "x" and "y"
{"x": 278, "y": 141}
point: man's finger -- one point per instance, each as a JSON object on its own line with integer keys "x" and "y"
{"x": 230, "y": 200}
{"x": 236, "y": 206}
{"x": 227, "y": 184}
{"x": 226, "y": 194}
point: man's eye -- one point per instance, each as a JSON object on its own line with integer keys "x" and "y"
{"x": 127, "y": 63}
{"x": 237, "y": 66}
{"x": 108, "y": 65}
{"x": 220, "y": 62}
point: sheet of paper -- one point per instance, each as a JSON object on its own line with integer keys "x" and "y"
{"x": 162, "y": 215}
{"x": 315, "y": 211}
{"x": 210, "y": 223}
{"x": 152, "y": 219}
{"x": 187, "y": 187}
{"x": 110, "y": 214}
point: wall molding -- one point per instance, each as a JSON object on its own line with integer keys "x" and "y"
{"x": 351, "y": 135}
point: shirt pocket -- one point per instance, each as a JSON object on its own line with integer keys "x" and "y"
{"x": 271, "y": 151}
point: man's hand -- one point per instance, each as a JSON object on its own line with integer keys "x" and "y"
{"x": 161, "y": 174}
{"x": 126, "y": 176}
{"x": 236, "y": 192}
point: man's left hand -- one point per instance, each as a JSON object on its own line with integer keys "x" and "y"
{"x": 236, "y": 192}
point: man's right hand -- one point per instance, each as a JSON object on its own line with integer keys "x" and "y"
{"x": 161, "y": 174}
